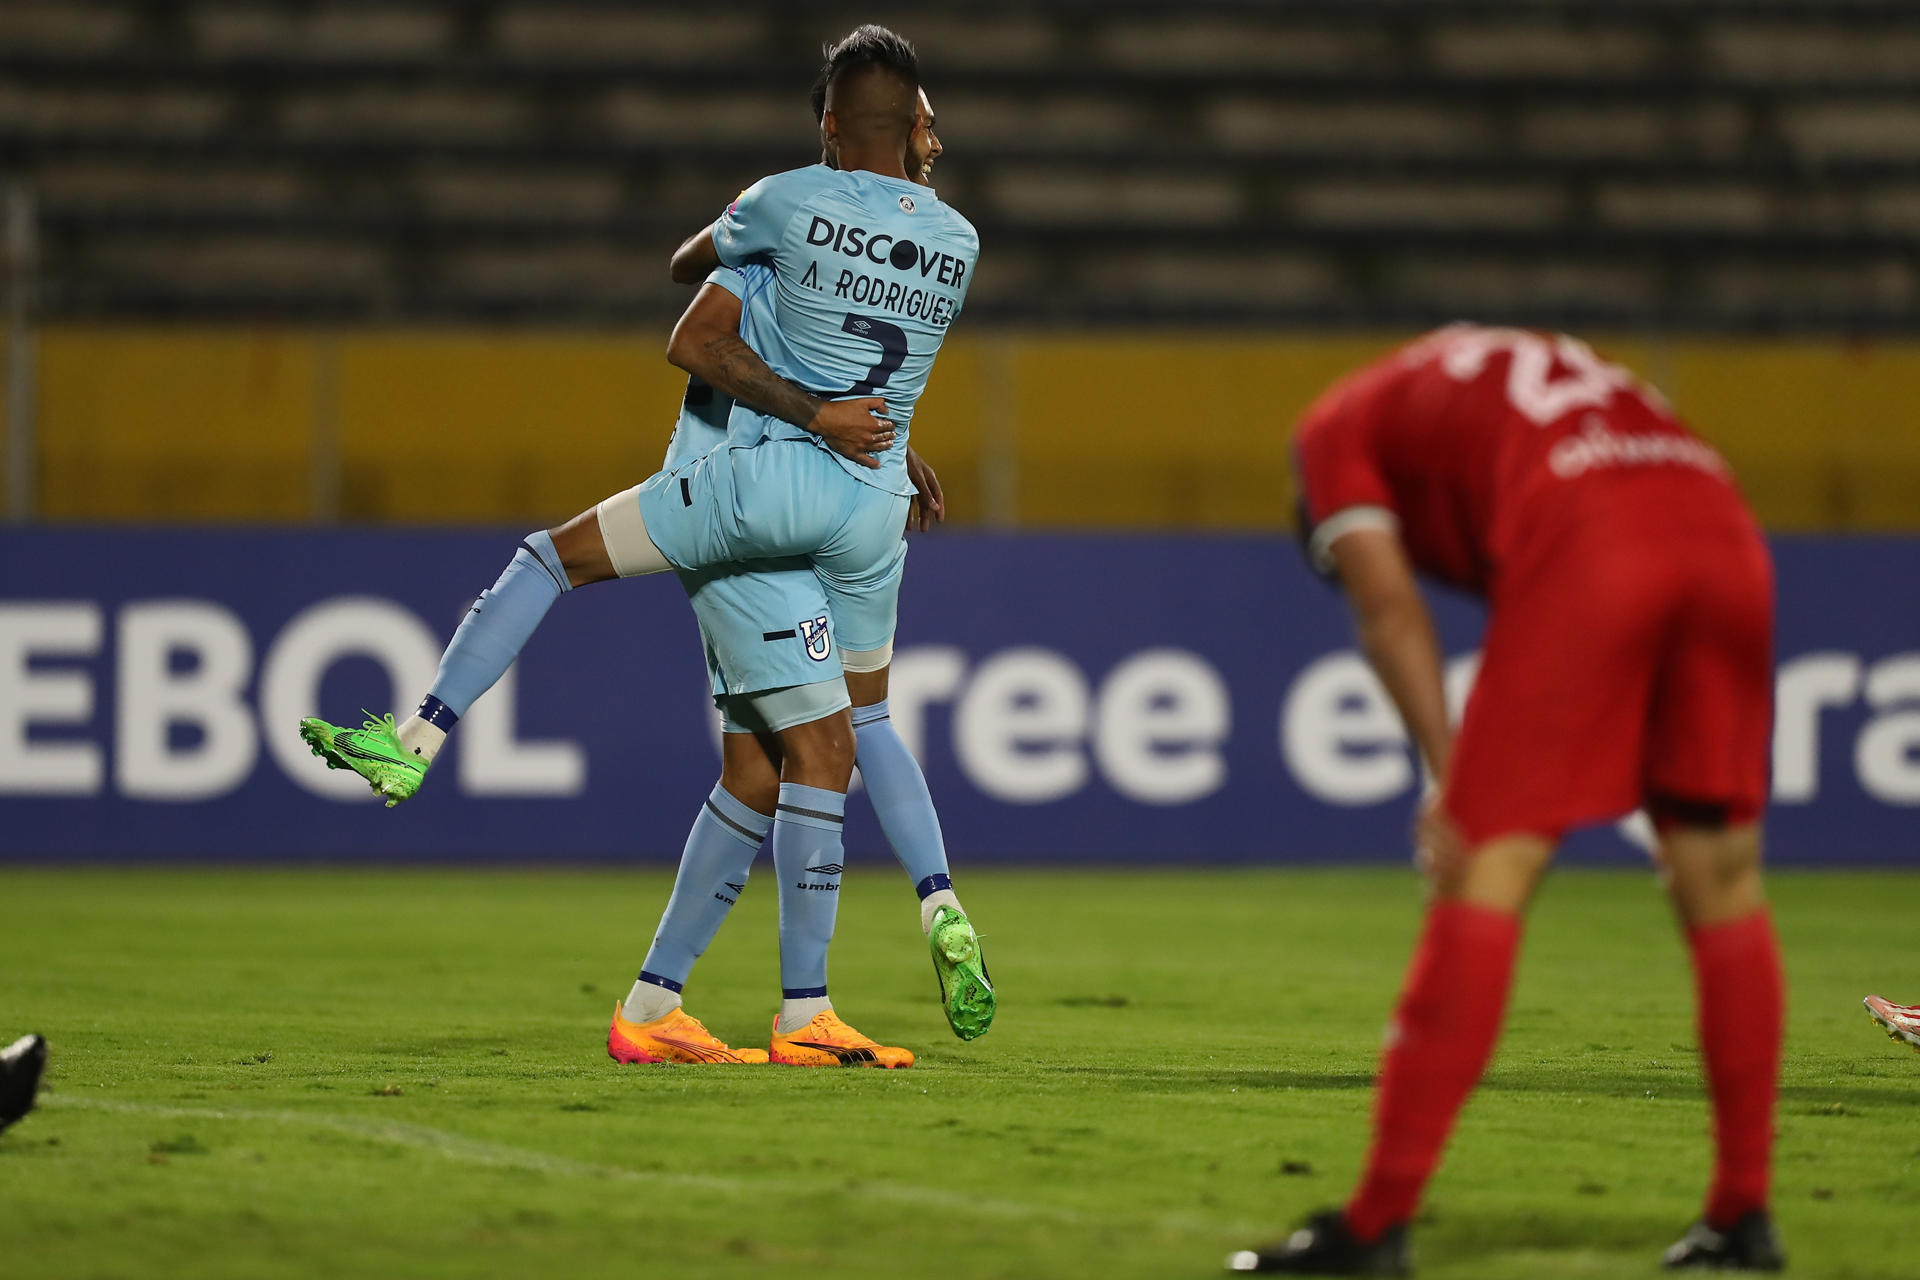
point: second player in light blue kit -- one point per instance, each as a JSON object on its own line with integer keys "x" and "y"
{"x": 869, "y": 270}
{"x": 852, "y": 274}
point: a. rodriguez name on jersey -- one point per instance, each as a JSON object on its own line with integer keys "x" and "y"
{"x": 902, "y": 297}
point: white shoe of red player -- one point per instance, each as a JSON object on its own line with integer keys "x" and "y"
{"x": 1902, "y": 1021}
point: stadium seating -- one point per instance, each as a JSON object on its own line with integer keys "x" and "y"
{"x": 1592, "y": 161}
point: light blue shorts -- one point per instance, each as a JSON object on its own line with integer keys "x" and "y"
{"x": 767, "y": 627}
{"x": 765, "y": 507}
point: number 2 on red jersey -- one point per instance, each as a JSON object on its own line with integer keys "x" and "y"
{"x": 1547, "y": 378}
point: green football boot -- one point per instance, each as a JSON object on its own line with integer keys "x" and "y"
{"x": 966, "y": 992}
{"x": 373, "y": 751}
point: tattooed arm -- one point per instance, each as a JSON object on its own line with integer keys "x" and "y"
{"x": 707, "y": 344}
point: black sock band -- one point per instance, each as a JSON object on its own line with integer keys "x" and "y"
{"x": 437, "y": 713}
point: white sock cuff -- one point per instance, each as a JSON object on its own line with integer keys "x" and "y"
{"x": 648, "y": 1002}
{"x": 421, "y": 737}
{"x": 795, "y": 1014}
{"x": 931, "y": 904}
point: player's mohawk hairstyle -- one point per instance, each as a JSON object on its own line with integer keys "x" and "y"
{"x": 868, "y": 45}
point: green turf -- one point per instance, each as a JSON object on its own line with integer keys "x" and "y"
{"x": 383, "y": 1074}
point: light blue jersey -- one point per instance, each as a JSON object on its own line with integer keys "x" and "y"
{"x": 850, "y": 282}
{"x": 867, "y": 274}
{"x": 702, "y": 425}
{"x": 739, "y": 608}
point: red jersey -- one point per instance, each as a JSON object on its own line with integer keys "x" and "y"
{"x": 1475, "y": 440}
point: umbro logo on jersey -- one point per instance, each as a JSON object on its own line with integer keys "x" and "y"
{"x": 828, "y": 869}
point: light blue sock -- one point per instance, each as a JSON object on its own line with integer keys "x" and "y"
{"x": 713, "y": 871}
{"x": 498, "y": 626}
{"x": 900, "y": 799}
{"x": 806, "y": 857}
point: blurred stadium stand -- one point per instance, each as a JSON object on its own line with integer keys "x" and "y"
{"x": 1580, "y": 163}
{"x": 1639, "y": 168}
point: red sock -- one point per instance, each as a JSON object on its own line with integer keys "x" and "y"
{"x": 1437, "y": 1045}
{"x": 1736, "y": 969}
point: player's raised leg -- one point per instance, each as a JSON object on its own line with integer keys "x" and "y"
{"x": 898, "y": 790}
{"x": 394, "y": 759}
{"x": 1439, "y": 1041}
{"x": 1713, "y": 875}
{"x": 650, "y": 1025}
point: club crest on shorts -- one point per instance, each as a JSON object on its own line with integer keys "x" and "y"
{"x": 819, "y": 639}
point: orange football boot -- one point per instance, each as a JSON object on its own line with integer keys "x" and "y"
{"x": 829, "y": 1042}
{"x": 677, "y": 1037}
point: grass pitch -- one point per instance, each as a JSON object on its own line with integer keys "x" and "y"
{"x": 386, "y": 1074}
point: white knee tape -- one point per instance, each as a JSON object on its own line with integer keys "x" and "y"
{"x": 860, "y": 661}
{"x": 624, "y": 531}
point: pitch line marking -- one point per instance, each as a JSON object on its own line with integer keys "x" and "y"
{"x": 500, "y": 1155}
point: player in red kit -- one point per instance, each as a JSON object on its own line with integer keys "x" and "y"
{"x": 1627, "y": 663}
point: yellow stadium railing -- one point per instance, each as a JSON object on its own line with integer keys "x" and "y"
{"x": 1091, "y": 430}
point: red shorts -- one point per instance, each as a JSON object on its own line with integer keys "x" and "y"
{"x": 1628, "y": 662}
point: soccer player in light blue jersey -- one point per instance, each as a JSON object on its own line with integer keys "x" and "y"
{"x": 869, "y": 270}
{"x": 860, "y": 235}
{"x": 890, "y": 265}
{"x": 726, "y": 836}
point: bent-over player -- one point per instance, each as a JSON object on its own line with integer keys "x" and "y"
{"x": 1627, "y": 663}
